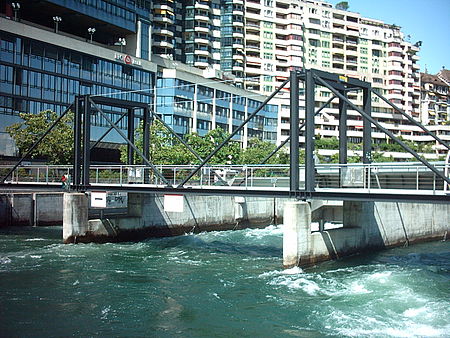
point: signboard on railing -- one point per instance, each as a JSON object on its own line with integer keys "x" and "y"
{"x": 352, "y": 176}
{"x": 135, "y": 175}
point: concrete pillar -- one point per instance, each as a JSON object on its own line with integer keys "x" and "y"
{"x": 135, "y": 201}
{"x": 296, "y": 232}
{"x": 75, "y": 216}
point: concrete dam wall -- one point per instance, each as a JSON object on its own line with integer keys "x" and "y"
{"x": 367, "y": 226}
{"x": 147, "y": 217}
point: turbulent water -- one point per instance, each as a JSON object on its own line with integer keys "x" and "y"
{"x": 221, "y": 284}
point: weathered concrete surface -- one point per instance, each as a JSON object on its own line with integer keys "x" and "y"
{"x": 296, "y": 231}
{"x": 147, "y": 218}
{"x": 31, "y": 209}
{"x": 75, "y": 216}
{"x": 372, "y": 226}
{"x": 17, "y": 209}
{"x": 48, "y": 208}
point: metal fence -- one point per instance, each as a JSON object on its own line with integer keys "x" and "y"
{"x": 410, "y": 176}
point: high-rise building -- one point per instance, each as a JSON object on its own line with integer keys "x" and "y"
{"x": 435, "y": 105}
{"x": 261, "y": 41}
{"x": 103, "y": 48}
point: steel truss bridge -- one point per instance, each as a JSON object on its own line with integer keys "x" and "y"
{"x": 422, "y": 181}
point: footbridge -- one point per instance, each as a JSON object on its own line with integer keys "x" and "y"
{"x": 365, "y": 182}
{"x": 379, "y": 207}
{"x": 422, "y": 181}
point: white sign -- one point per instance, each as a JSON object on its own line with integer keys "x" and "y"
{"x": 98, "y": 199}
{"x": 127, "y": 59}
{"x": 173, "y": 203}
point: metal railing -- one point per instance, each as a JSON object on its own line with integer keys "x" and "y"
{"x": 375, "y": 176}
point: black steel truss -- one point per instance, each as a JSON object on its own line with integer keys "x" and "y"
{"x": 337, "y": 84}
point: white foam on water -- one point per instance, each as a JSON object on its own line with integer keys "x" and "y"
{"x": 105, "y": 312}
{"x": 227, "y": 283}
{"x": 357, "y": 288}
{"x": 306, "y": 285}
{"x": 381, "y": 277}
{"x": 181, "y": 260}
{"x": 410, "y": 330}
{"x": 34, "y": 239}
{"x": 5, "y": 260}
{"x": 292, "y": 271}
{"x": 271, "y": 230}
{"x": 76, "y": 282}
{"x": 414, "y": 312}
{"x": 36, "y": 256}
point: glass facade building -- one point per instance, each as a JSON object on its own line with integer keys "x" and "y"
{"x": 44, "y": 69}
{"x": 190, "y": 106}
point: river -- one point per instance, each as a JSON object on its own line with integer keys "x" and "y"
{"x": 217, "y": 284}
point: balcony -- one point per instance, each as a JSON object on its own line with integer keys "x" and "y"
{"x": 163, "y": 32}
{"x": 169, "y": 19}
{"x": 162, "y": 44}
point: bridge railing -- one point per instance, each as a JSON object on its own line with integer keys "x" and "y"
{"x": 411, "y": 176}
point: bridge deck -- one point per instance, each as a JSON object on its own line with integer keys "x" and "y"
{"x": 360, "y": 194}
{"x": 392, "y": 181}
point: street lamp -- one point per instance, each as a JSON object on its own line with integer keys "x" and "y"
{"x": 57, "y": 20}
{"x": 122, "y": 42}
{"x": 91, "y": 32}
{"x": 16, "y": 8}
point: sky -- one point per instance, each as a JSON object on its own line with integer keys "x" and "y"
{"x": 425, "y": 20}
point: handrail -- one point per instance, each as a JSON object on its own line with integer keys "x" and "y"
{"x": 379, "y": 176}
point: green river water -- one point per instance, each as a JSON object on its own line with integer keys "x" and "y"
{"x": 217, "y": 284}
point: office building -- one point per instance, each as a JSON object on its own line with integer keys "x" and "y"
{"x": 44, "y": 63}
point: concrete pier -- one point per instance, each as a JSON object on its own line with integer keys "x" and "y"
{"x": 75, "y": 216}
{"x": 367, "y": 227}
{"x": 296, "y": 232}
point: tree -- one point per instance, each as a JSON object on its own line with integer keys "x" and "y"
{"x": 343, "y": 5}
{"x": 56, "y": 147}
{"x": 257, "y": 150}
{"x": 229, "y": 154}
{"x": 164, "y": 147}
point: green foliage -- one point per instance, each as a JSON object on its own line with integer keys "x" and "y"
{"x": 327, "y": 143}
{"x": 343, "y": 5}
{"x": 378, "y": 157}
{"x": 166, "y": 149}
{"x": 257, "y": 150}
{"x": 56, "y": 147}
{"x": 230, "y": 153}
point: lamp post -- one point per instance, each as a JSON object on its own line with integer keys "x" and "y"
{"x": 122, "y": 42}
{"x": 57, "y": 20}
{"x": 16, "y": 8}
{"x": 91, "y": 32}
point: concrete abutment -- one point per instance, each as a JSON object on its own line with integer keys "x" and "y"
{"x": 75, "y": 216}
{"x": 367, "y": 226}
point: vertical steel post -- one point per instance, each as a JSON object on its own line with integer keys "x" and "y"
{"x": 77, "y": 142}
{"x": 86, "y": 140}
{"x": 146, "y": 131}
{"x": 294, "y": 126}
{"x": 130, "y": 130}
{"x": 367, "y": 126}
{"x": 146, "y": 141}
{"x": 310, "y": 176}
{"x": 343, "y": 130}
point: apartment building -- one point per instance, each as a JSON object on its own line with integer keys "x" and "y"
{"x": 435, "y": 96}
{"x": 293, "y": 34}
{"x": 201, "y": 33}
